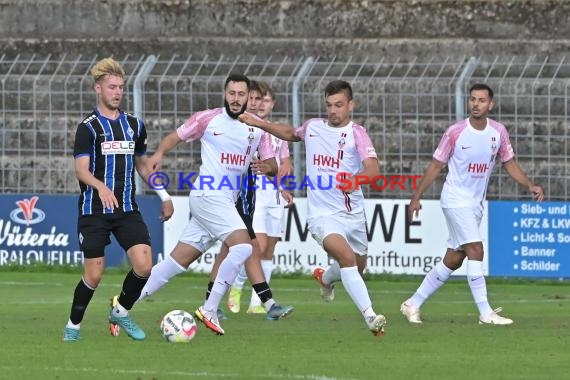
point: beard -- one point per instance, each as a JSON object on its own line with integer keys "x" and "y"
{"x": 234, "y": 115}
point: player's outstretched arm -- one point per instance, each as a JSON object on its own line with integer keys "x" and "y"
{"x": 430, "y": 175}
{"x": 515, "y": 171}
{"x": 267, "y": 167}
{"x": 167, "y": 207}
{"x": 166, "y": 145}
{"x": 282, "y": 131}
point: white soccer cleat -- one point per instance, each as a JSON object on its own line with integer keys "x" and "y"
{"x": 327, "y": 291}
{"x": 209, "y": 319}
{"x": 411, "y": 313}
{"x": 495, "y": 319}
{"x": 376, "y": 324}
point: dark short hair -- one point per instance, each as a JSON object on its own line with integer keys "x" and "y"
{"x": 237, "y": 78}
{"x": 256, "y": 86}
{"x": 337, "y": 86}
{"x": 481, "y": 86}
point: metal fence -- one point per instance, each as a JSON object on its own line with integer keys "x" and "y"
{"x": 405, "y": 105}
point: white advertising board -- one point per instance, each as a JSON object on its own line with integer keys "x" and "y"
{"x": 395, "y": 246}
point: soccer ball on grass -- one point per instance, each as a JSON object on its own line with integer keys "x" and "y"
{"x": 178, "y": 326}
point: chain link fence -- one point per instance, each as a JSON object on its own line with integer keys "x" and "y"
{"x": 405, "y": 105}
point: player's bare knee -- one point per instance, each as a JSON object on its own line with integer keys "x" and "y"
{"x": 474, "y": 251}
{"x": 453, "y": 259}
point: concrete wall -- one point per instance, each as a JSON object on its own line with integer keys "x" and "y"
{"x": 315, "y": 27}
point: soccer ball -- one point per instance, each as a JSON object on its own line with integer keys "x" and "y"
{"x": 178, "y": 326}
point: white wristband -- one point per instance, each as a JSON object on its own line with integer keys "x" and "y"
{"x": 162, "y": 194}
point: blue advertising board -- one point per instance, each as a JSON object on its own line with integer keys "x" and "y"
{"x": 529, "y": 239}
{"x": 43, "y": 228}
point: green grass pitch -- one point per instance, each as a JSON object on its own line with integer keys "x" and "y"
{"x": 318, "y": 341}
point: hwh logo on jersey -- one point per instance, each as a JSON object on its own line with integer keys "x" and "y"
{"x": 232, "y": 159}
{"x": 323, "y": 160}
{"x": 477, "y": 168}
{"x": 117, "y": 147}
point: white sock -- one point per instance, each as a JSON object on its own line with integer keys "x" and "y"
{"x": 431, "y": 283}
{"x": 160, "y": 274}
{"x": 227, "y": 273}
{"x": 240, "y": 279}
{"x": 120, "y": 311}
{"x": 71, "y": 325}
{"x": 332, "y": 274}
{"x": 270, "y": 302}
{"x": 356, "y": 288}
{"x": 254, "y": 301}
{"x": 267, "y": 267}
{"x": 478, "y": 286}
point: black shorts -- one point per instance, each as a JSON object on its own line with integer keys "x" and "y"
{"x": 247, "y": 219}
{"x": 245, "y": 204}
{"x": 94, "y": 232}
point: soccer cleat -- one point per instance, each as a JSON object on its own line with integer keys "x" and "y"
{"x": 411, "y": 313}
{"x": 128, "y": 325}
{"x": 277, "y": 312}
{"x": 495, "y": 319}
{"x": 210, "y": 320}
{"x": 114, "y": 328}
{"x": 259, "y": 309}
{"x": 71, "y": 335}
{"x": 234, "y": 299}
{"x": 376, "y": 324}
{"x": 327, "y": 291}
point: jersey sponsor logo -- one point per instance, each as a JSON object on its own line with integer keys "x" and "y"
{"x": 371, "y": 151}
{"x": 477, "y": 168}
{"x": 324, "y": 160}
{"x": 232, "y": 159}
{"x": 117, "y": 147}
{"x": 465, "y": 147}
{"x": 218, "y": 133}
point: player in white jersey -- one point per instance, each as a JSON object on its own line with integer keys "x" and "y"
{"x": 227, "y": 149}
{"x": 335, "y": 147}
{"x": 254, "y": 268}
{"x": 469, "y": 148}
{"x": 270, "y": 203}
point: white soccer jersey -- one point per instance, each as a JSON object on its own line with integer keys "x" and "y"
{"x": 470, "y": 156}
{"x": 227, "y": 147}
{"x": 267, "y": 194}
{"x": 330, "y": 152}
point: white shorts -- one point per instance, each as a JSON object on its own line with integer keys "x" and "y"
{"x": 268, "y": 220}
{"x": 350, "y": 226}
{"x": 211, "y": 218}
{"x": 463, "y": 225}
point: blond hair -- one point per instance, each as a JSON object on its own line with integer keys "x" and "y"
{"x": 107, "y": 66}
